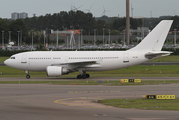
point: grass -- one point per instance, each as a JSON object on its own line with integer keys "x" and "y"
{"x": 171, "y": 58}
{"x": 86, "y": 82}
{"x": 2, "y": 59}
{"x": 134, "y": 71}
{"x": 143, "y": 104}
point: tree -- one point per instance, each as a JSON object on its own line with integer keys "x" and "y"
{"x": 115, "y": 32}
{"x": 3, "y": 27}
{"x": 62, "y": 20}
{"x": 17, "y": 25}
{"x": 175, "y": 23}
{"x": 100, "y": 24}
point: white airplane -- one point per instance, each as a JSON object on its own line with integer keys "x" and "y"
{"x": 57, "y": 63}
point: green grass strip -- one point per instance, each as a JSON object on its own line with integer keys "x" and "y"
{"x": 134, "y": 71}
{"x": 86, "y": 82}
{"x": 171, "y": 58}
{"x": 143, "y": 104}
{"x": 2, "y": 59}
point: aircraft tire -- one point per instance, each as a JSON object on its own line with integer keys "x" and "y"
{"x": 28, "y": 76}
{"x": 84, "y": 76}
{"x": 87, "y": 75}
{"x": 79, "y": 76}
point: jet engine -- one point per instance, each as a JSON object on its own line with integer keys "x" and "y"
{"x": 53, "y": 71}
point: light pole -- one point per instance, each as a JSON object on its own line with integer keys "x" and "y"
{"x": 127, "y": 21}
{"x": 32, "y": 40}
{"x": 9, "y": 36}
{"x": 109, "y": 36}
{"x": 44, "y": 38}
{"x": 57, "y": 37}
{"x": 67, "y": 41}
{"x": 18, "y": 39}
{"x": 21, "y": 38}
{"x": 81, "y": 36}
{"x": 78, "y": 41}
{"x": 103, "y": 36}
{"x": 94, "y": 36}
{"x": 175, "y": 38}
{"x": 124, "y": 37}
{"x": 3, "y": 40}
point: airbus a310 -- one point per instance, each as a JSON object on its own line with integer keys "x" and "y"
{"x": 57, "y": 63}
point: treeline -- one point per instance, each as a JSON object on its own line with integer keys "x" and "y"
{"x": 152, "y": 22}
{"x": 78, "y": 20}
{"x": 17, "y": 29}
{"x": 11, "y": 27}
{"x": 72, "y": 20}
{"x": 61, "y": 21}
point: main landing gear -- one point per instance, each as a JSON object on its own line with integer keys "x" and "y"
{"x": 82, "y": 75}
{"x": 27, "y": 76}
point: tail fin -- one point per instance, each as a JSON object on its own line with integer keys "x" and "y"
{"x": 155, "y": 39}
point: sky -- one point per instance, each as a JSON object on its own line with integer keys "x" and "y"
{"x": 114, "y": 8}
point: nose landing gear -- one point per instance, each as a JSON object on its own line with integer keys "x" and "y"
{"x": 27, "y": 76}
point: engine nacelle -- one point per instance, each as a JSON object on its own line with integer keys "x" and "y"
{"x": 53, "y": 71}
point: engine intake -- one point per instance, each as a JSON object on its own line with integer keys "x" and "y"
{"x": 53, "y": 71}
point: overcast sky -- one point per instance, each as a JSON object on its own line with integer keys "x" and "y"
{"x": 113, "y": 7}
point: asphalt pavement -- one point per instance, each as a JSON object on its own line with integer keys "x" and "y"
{"x": 67, "y": 102}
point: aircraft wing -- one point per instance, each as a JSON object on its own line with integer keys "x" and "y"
{"x": 156, "y": 54}
{"x": 79, "y": 64}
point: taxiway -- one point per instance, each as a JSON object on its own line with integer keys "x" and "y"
{"x": 54, "y": 102}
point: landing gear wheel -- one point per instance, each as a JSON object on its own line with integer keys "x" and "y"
{"x": 84, "y": 76}
{"x": 78, "y": 76}
{"x": 28, "y": 76}
{"x": 87, "y": 75}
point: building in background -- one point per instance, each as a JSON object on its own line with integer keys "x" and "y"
{"x": 23, "y": 15}
{"x": 16, "y": 15}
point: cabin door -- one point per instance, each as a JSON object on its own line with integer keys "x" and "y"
{"x": 126, "y": 58}
{"x": 24, "y": 59}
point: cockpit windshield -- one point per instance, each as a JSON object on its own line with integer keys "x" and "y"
{"x": 12, "y": 57}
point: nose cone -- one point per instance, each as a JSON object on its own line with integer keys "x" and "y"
{"x": 7, "y": 62}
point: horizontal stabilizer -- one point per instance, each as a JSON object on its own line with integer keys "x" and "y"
{"x": 157, "y": 54}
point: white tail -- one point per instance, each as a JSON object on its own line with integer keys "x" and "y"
{"x": 155, "y": 39}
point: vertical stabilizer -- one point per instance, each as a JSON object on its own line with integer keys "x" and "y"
{"x": 156, "y": 38}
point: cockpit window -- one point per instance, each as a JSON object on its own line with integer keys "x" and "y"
{"x": 12, "y": 57}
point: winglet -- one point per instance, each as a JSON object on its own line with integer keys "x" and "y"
{"x": 156, "y": 38}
